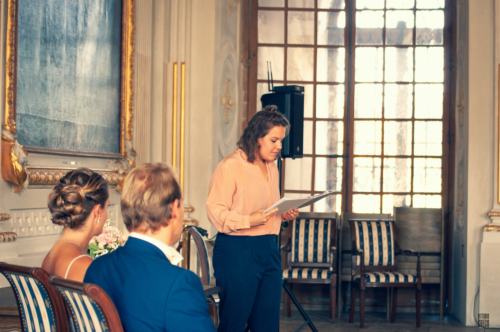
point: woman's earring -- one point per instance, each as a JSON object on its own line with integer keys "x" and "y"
{"x": 98, "y": 219}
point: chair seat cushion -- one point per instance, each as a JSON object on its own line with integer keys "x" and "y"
{"x": 307, "y": 273}
{"x": 386, "y": 277}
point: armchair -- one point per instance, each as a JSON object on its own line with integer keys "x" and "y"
{"x": 311, "y": 253}
{"x": 374, "y": 263}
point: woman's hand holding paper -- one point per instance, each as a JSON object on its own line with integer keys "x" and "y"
{"x": 291, "y": 215}
{"x": 260, "y": 218}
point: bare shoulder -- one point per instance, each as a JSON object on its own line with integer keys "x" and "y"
{"x": 61, "y": 256}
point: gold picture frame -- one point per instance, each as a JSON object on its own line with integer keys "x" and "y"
{"x": 14, "y": 166}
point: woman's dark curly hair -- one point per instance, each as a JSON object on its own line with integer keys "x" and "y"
{"x": 72, "y": 200}
{"x": 259, "y": 127}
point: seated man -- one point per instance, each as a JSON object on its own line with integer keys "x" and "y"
{"x": 151, "y": 293}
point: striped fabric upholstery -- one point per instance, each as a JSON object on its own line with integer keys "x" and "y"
{"x": 86, "y": 313}
{"x": 307, "y": 273}
{"x": 36, "y": 309}
{"x": 376, "y": 240}
{"x": 311, "y": 241}
{"x": 387, "y": 277}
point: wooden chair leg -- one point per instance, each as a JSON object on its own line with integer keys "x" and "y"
{"x": 353, "y": 303}
{"x": 394, "y": 304}
{"x": 288, "y": 302}
{"x": 333, "y": 298}
{"x": 419, "y": 299}
{"x": 361, "y": 307}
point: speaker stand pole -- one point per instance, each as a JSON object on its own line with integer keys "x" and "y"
{"x": 283, "y": 281}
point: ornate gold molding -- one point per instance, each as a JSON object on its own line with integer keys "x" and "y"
{"x": 493, "y": 214}
{"x": 4, "y": 216}
{"x": 491, "y": 228}
{"x": 9, "y": 124}
{"x": 183, "y": 125}
{"x": 127, "y": 93}
{"x": 13, "y": 158}
{"x": 7, "y": 236}
{"x": 174, "y": 115}
{"x": 52, "y": 176}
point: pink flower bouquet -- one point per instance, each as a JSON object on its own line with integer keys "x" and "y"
{"x": 109, "y": 240}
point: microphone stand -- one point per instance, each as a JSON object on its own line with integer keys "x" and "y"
{"x": 283, "y": 281}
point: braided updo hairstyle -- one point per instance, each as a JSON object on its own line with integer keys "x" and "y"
{"x": 258, "y": 127}
{"x": 72, "y": 200}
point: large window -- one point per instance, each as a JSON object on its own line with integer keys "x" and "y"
{"x": 375, "y": 95}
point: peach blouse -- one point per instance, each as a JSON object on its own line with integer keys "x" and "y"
{"x": 237, "y": 190}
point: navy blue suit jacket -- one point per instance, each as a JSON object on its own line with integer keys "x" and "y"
{"x": 151, "y": 294}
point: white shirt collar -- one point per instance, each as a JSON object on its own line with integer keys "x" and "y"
{"x": 172, "y": 255}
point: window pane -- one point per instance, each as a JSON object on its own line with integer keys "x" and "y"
{"x": 331, "y": 63}
{"x": 368, "y": 101}
{"x": 397, "y": 138}
{"x": 301, "y": 3}
{"x": 331, "y": 4}
{"x": 329, "y": 137}
{"x": 308, "y": 100}
{"x": 299, "y": 66}
{"x": 390, "y": 201}
{"x": 397, "y": 175}
{"x": 398, "y": 101}
{"x": 330, "y": 101}
{"x": 427, "y": 175}
{"x": 369, "y": 64}
{"x": 332, "y": 203}
{"x": 428, "y": 138}
{"x": 366, "y": 174}
{"x": 367, "y": 137}
{"x": 308, "y": 137}
{"x": 399, "y": 27}
{"x": 328, "y": 174}
{"x": 427, "y": 201}
{"x": 272, "y": 3}
{"x": 366, "y": 203}
{"x": 298, "y": 174}
{"x": 398, "y": 64}
{"x": 429, "y": 4}
{"x": 428, "y": 101}
{"x": 276, "y": 56}
{"x": 369, "y": 26}
{"x": 429, "y": 64}
{"x": 300, "y": 28}
{"x": 331, "y": 28}
{"x": 400, "y": 4}
{"x": 430, "y": 26}
{"x": 369, "y": 4}
{"x": 271, "y": 21}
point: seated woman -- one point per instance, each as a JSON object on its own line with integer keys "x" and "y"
{"x": 80, "y": 204}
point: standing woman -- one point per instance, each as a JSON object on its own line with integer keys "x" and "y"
{"x": 79, "y": 203}
{"x": 246, "y": 260}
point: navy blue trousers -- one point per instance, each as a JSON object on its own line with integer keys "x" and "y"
{"x": 248, "y": 269}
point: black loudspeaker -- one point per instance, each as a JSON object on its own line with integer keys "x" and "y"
{"x": 290, "y": 102}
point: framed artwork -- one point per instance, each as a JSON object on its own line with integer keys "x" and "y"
{"x": 68, "y": 83}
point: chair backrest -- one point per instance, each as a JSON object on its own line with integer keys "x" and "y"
{"x": 40, "y": 306}
{"x": 89, "y": 306}
{"x": 377, "y": 240}
{"x": 422, "y": 229}
{"x": 311, "y": 237}
{"x": 202, "y": 254}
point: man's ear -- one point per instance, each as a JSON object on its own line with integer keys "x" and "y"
{"x": 175, "y": 209}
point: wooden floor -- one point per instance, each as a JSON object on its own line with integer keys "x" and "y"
{"x": 373, "y": 322}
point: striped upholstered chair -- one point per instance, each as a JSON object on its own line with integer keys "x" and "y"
{"x": 89, "y": 307}
{"x": 311, "y": 253}
{"x": 374, "y": 264}
{"x": 40, "y": 306}
{"x": 211, "y": 291}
